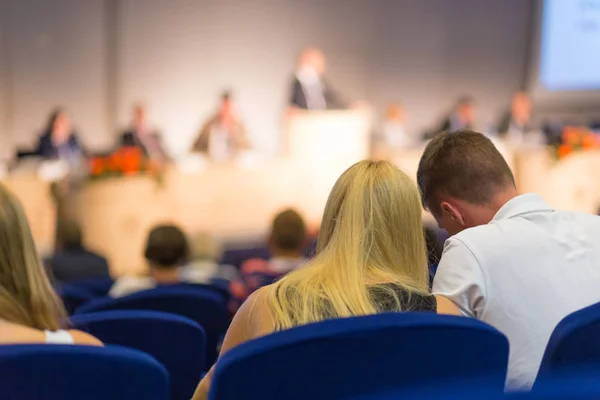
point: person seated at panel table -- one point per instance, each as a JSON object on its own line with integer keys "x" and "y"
{"x": 516, "y": 122}
{"x": 30, "y": 310}
{"x": 371, "y": 258}
{"x": 59, "y": 140}
{"x": 223, "y": 135}
{"x": 310, "y": 90}
{"x": 462, "y": 116}
{"x": 167, "y": 252}
{"x": 140, "y": 134}
{"x": 72, "y": 261}
{"x": 204, "y": 267}
{"x": 287, "y": 241}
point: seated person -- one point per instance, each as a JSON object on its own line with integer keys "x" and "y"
{"x": 141, "y": 135}
{"x": 371, "y": 258}
{"x": 72, "y": 261}
{"x": 30, "y": 310}
{"x": 204, "y": 267}
{"x": 223, "y": 135}
{"x": 166, "y": 253}
{"x": 462, "y": 116}
{"x": 516, "y": 122}
{"x": 59, "y": 141}
{"x": 286, "y": 244}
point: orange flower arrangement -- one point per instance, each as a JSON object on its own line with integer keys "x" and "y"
{"x": 576, "y": 139}
{"x": 125, "y": 161}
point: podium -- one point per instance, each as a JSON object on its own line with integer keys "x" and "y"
{"x": 322, "y": 145}
{"x": 329, "y": 137}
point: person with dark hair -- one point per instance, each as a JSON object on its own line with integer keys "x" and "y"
{"x": 166, "y": 253}
{"x": 286, "y": 243}
{"x": 72, "y": 261}
{"x": 512, "y": 261}
{"x": 223, "y": 135}
{"x": 59, "y": 140}
{"x": 140, "y": 134}
{"x": 516, "y": 122}
{"x": 462, "y": 117}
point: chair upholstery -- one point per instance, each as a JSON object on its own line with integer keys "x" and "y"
{"x": 97, "y": 286}
{"x": 205, "y": 308}
{"x": 176, "y": 342}
{"x": 67, "y": 372}
{"x": 362, "y": 355}
{"x": 575, "y": 343}
{"x": 74, "y": 297}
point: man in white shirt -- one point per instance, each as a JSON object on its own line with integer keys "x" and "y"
{"x": 513, "y": 261}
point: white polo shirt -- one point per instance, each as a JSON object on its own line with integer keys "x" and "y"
{"x": 522, "y": 273}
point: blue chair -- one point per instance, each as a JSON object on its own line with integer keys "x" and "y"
{"x": 63, "y": 372}
{"x": 362, "y": 355}
{"x": 98, "y": 286}
{"x": 176, "y": 342}
{"x": 205, "y": 308}
{"x": 575, "y": 343}
{"x": 73, "y": 297}
{"x": 224, "y": 293}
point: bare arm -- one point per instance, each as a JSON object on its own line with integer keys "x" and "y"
{"x": 446, "y": 306}
{"x": 251, "y": 321}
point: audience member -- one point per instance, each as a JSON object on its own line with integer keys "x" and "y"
{"x": 516, "y": 122}
{"x": 30, "y": 311}
{"x": 513, "y": 261}
{"x": 141, "y": 134}
{"x": 371, "y": 258}
{"x": 166, "y": 253}
{"x": 287, "y": 241}
{"x": 59, "y": 141}
{"x": 72, "y": 261}
{"x": 223, "y": 135}
{"x": 204, "y": 267}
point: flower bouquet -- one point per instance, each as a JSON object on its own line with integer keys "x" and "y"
{"x": 575, "y": 139}
{"x": 126, "y": 161}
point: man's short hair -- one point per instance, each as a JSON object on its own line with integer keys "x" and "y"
{"x": 463, "y": 164}
{"x": 68, "y": 234}
{"x": 288, "y": 231}
{"x": 167, "y": 247}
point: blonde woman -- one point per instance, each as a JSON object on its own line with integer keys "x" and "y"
{"x": 371, "y": 258}
{"x": 30, "y": 311}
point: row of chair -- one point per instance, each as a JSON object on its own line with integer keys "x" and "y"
{"x": 410, "y": 355}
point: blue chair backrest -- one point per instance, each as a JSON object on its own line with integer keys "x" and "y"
{"x": 176, "y": 342}
{"x": 360, "y": 355}
{"x": 205, "y": 308}
{"x": 224, "y": 293}
{"x": 73, "y": 297}
{"x": 45, "y": 371}
{"x": 98, "y": 286}
{"x": 575, "y": 342}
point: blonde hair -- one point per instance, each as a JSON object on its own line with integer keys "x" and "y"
{"x": 371, "y": 240}
{"x": 26, "y": 295}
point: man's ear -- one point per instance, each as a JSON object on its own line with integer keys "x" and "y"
{"x": 453, "y": 212}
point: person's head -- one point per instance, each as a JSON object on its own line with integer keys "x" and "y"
{"x": 26, "y": 295}
{"x": 464, "y": 180}
{"x": 313, "y": 58}
{"x": 288, "y": 234}
{"x": 68, "y": 235}
{"x": 205, "y": 247}
{"x": 465, "y": 109}
{"x": 59, "y": 125}
{"x": 166, "y": 248}
{"x": 395, "y": 113}
{"x": 226, "y": 105}
{"x": 371, "y": 237}
{"x": 139, "y": 115}
{"x": 521, "y": 106}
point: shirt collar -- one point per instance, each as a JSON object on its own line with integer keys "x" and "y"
{"x": 523, "y": 204}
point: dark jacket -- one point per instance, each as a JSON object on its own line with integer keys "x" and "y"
{"x": 130, "y": 139}
{"x": 48, "y": 150}
{"x": 77, "y": 264}
{"x": 298, "y": 98}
